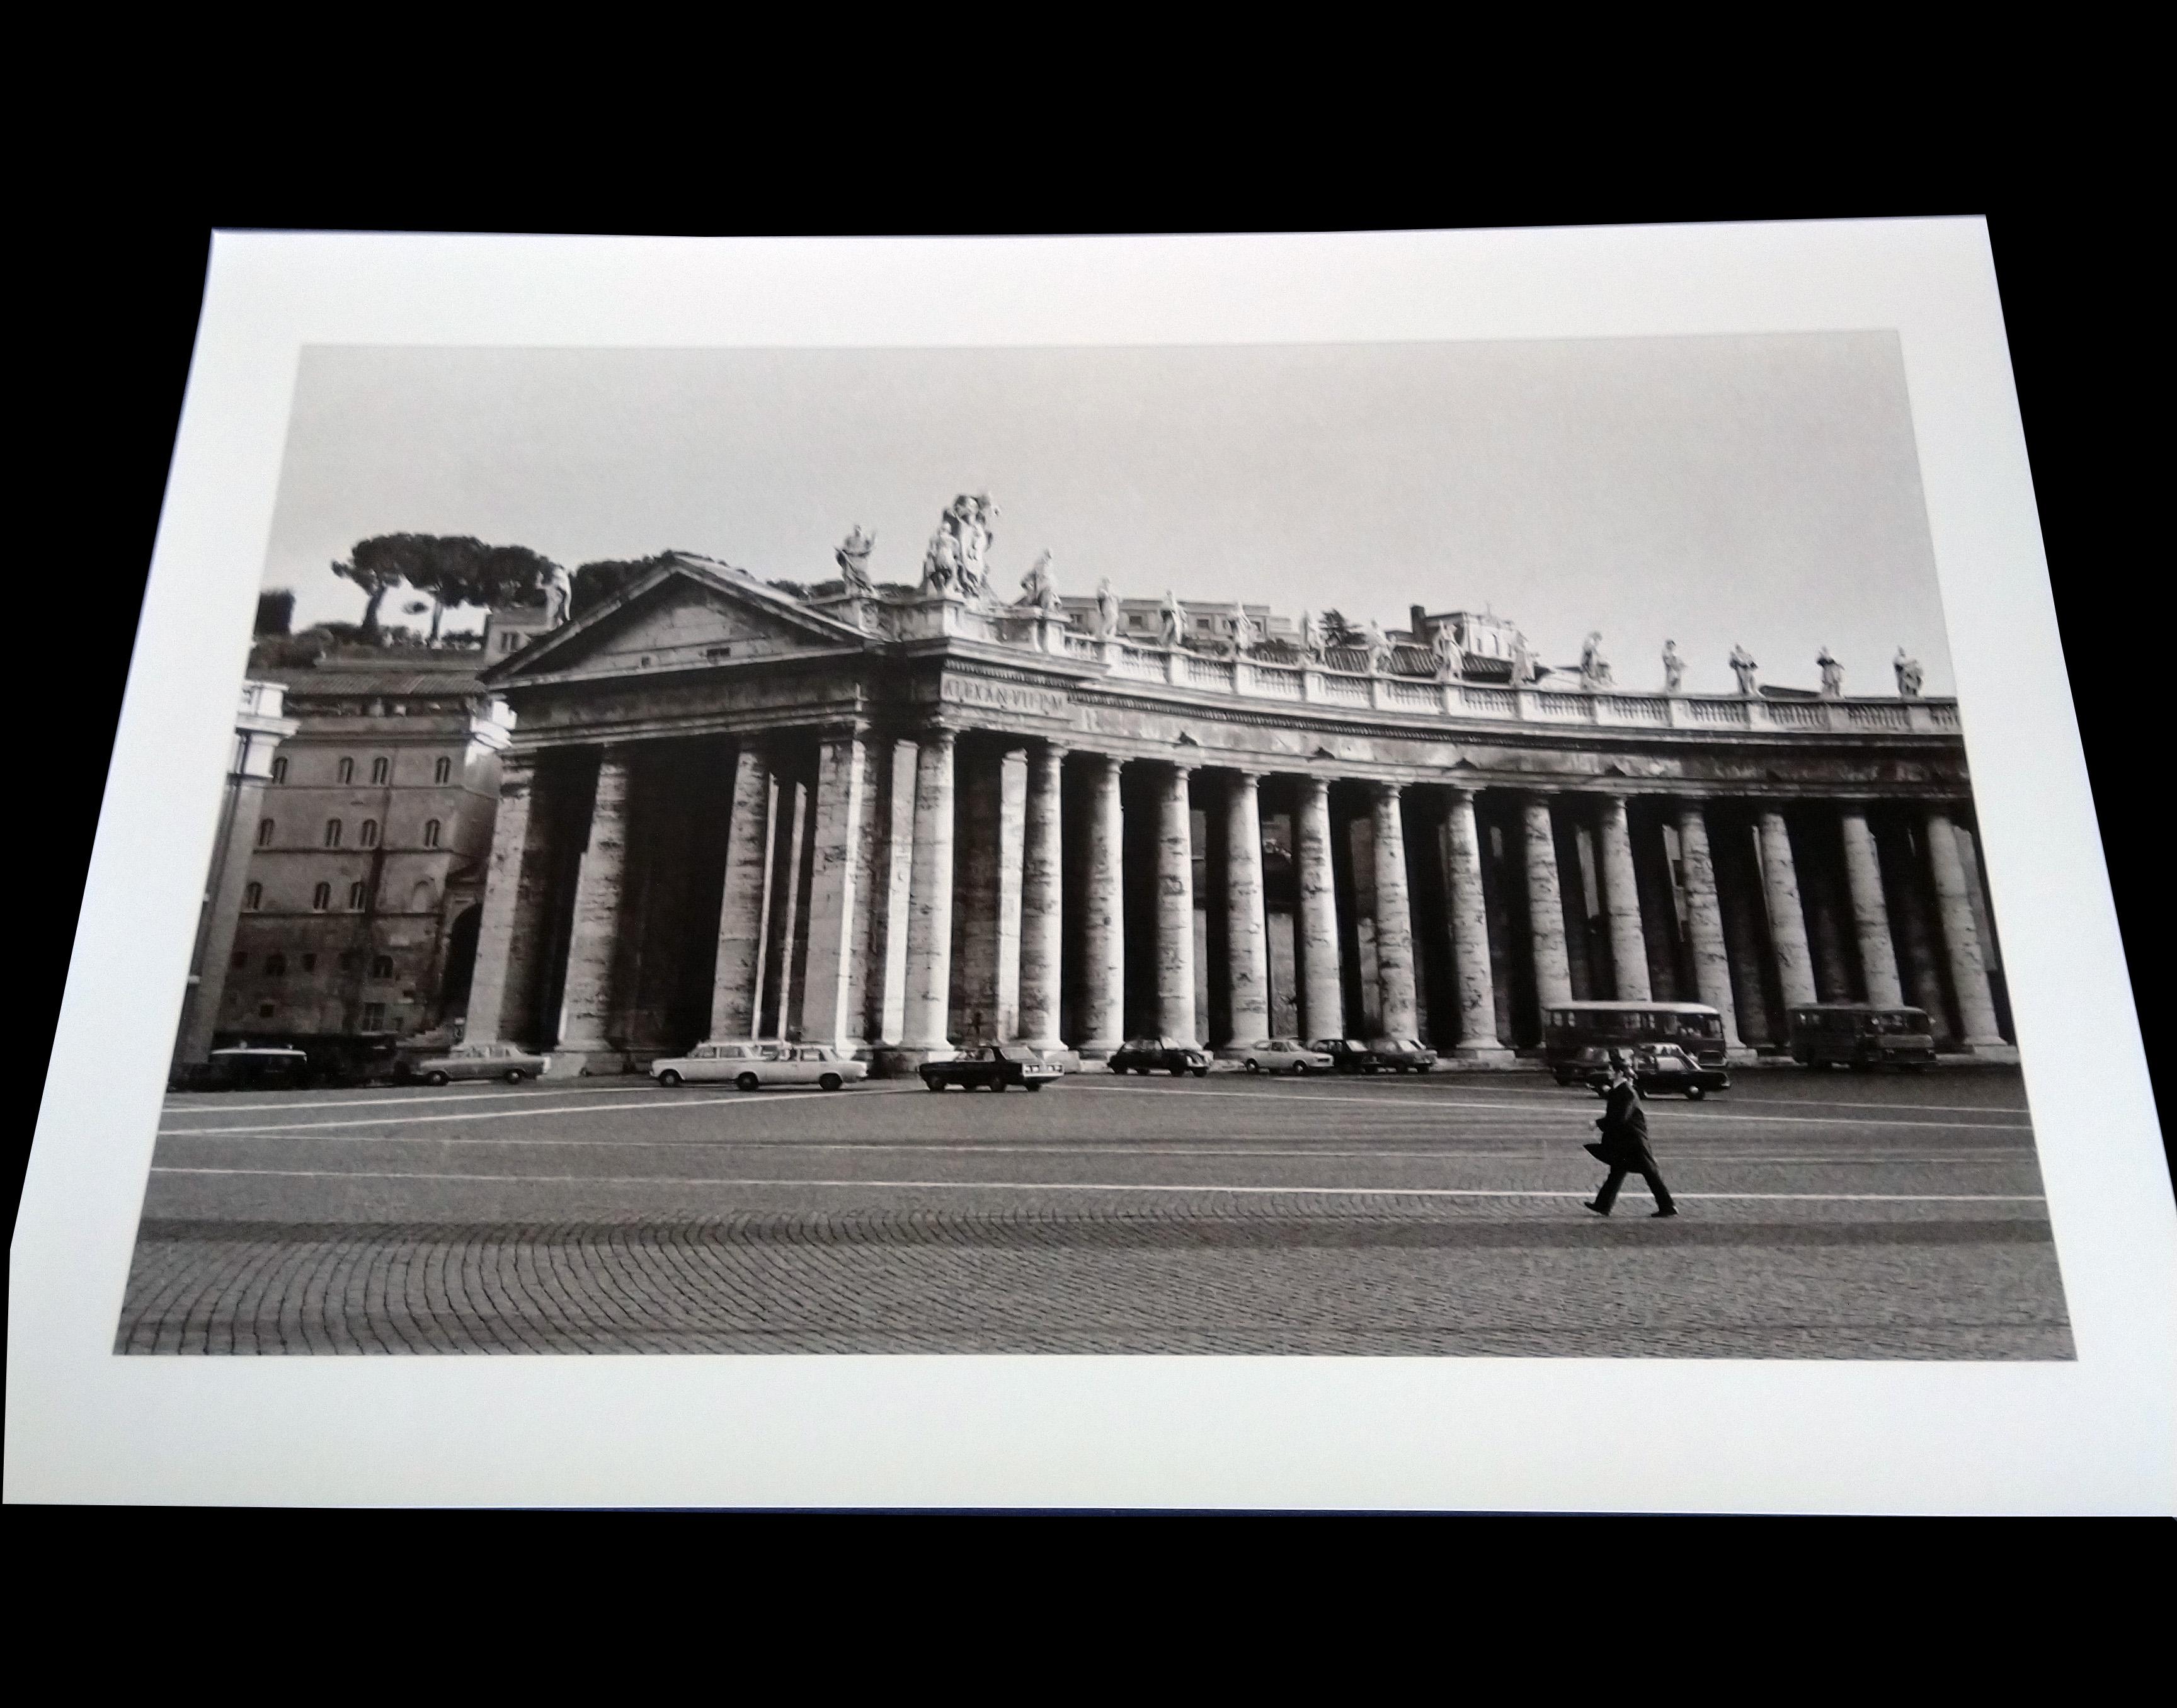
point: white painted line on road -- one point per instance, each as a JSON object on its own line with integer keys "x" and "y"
{"x": 646, "y": 1103}
{"x": 1079, "y": 1186}
{"x": 1710, "y": 1110}
{"x": 397, "y": 1100}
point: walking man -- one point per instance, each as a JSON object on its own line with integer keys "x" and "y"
{"x": 1624, "y": 1142}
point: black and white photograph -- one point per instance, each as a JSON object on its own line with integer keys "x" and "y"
{"x": 1186, "y": 853}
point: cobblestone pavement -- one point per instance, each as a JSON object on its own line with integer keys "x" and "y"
{"x": 1822, "y": 1217}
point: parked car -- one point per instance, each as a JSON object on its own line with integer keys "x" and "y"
{"x": 991, "y": 1066}
{"x": 1347, "y": 1055}
{"x": 1402, "y": 1054}
{"x": 1173, "y": 1054}
{"x": 1287, "y": 1056}
{"x": 1656, "y": 1067}
{"x": 749, "y": 1066}
{"x": 507, "y": 1062}
{"x": 247, "y": 1067}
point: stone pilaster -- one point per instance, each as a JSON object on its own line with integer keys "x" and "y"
{"x": 1954, "y": 906}
{"x": 1478, "y": 1040}
{"x": 1870, "y": 913}
{"x": 1246, "y": 936}
{"x": 1175, "y": 910}
{"x": 1621, "y": 904}
{"x": 1395, "y": 923}
{"x": 1711, "y": 958}
{"x": 1545, "y": 904}
{"x": 827, "y": 1015}
{"x": 1042, "y": 899}
{"x": 593, "y": 942}
{"x": 930, "y": 927}
{"x": 737, "y": 986}
{"x": 1787, "y": 919}
{"x": 1103, "y": 915}
{"x": 1012, "y": 835}
{"x": 1323, "y": 996}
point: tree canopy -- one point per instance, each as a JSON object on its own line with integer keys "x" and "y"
{"x": 600, "y": 582}
{"x": 452, "y": 570}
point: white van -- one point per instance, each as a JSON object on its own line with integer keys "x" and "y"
{"x": 749, "y": 1065}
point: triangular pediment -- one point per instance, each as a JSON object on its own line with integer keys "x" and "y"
{"x": 689, "y": 613}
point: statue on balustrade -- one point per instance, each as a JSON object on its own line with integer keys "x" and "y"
{"x": 1594, "y": 667}
{"x": 1908, "y": 675}
{"x": 1832, "y": 675}
{"x": 1450, "y": 662}
{"x": 1244, "y": 636}
{"x": 1174, "y": 620}
{"x": 1107, "y": 610}
{"x": 1524, "y": 673}
{"x": 1312, "y": 639}
{"x": 1742, "y": 667}
{"x": 559, "y": 593}
{"x": 853, "y": 559}
{"x": 957, "y": 562}
{"x": 1040, "y": 587}
{"x": 1674, "y": 667}
{"x": 1378, "y": 649}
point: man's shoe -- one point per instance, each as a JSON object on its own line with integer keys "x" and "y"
{"x": 1588, "y": 1205}
{"x": 1661, "y": 1214}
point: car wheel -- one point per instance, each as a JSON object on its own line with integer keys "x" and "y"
{"x": 1032, "y": 1086}
{"x": 1143, "y": 1072}
{"x": 434, "y": 1078}
{"x": 1695, "y": 1092}
{"x": 1299, "y": 1070}
{"x": 515, "y": 1075}
{"x": 1202, "y": 1072}
{"x": 932, "y": 1085}
{"x": 747, "y": 1082}
{"x": 668, "y": 1079}
{"x": 1253, "y": 1066}
{"x": 830, "y": 1081}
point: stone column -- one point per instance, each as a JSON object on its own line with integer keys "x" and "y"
{"x": 1954, "y": 905}
{"x": 1469, "y": 933}
{"x": 514, "y": 896}
{"x": 826, "y": 1012}
{"x": 1711, "y": 959}
{"x": 1394, "y": 921}
{"x": 1104, "y": 918}
{"x": 1870, "y": 915}
{"x": 1245, "y": 935}
{"x": 737, "y": 986}
{"x": 1788, "y": 918}
{"x": 1042, "y": 900}
{"x": 894, "y": 897}
{"x": 1322, "y": 994}
{"x": 1013, "y": 833}
{"x": 1175, "y": 914}
{"x": 594, "y": 941}
{"x": 1545, "y": 904}
{"x": 793, "y": 800}
{"x": 929, "y": 924}
{"x": 1621, "y": 903}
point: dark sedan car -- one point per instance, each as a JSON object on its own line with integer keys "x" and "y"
{"x": 1174, "y": 1055}
{"x": 991, "y": 1067}
{"x": 1348, "y": 1055}
{"x": 1662, "y": 1068}
{"x": 1402, "y": 1054}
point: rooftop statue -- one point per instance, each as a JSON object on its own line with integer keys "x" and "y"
{"x": 1311, "y": 638}
{"x": 958, "y": 564}
{"x": 1444, "y": 643}
{"x": 1908, "y": 675}
{"x": 1174, "y": 620}
{"x": 1524, "y": 673}
{"x": 1674, "y": 667}
{"x": 1594, "y": 667}
{"x": 558, "y": 592}
{"x": 1040, "y": 587}
{"x": 1107, "y": 609}
{"x": 1244, "y": 635}
{"x": 1377, "y": 648}
{"x": 853, "y": 559}
{"x": 1832, "y": 675}
{"x": 1742, "y": 667}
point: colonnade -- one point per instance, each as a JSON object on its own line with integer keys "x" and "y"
{"x": 857, "y": 870}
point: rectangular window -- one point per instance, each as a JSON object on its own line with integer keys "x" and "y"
{"x": 279, "y": 771}
{"x": 374, "y": 1016}
{"x": 358, "y": 893}
{"x": 442, "y": 770}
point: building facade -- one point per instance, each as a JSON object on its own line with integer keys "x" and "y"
{"x": 366, "y": 850}
{"x": 900, "y": 820}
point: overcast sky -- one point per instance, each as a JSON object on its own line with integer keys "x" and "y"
{"x": 1710, "y": 490}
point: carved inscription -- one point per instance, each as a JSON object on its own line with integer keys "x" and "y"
{"x": 1004, "y": 697}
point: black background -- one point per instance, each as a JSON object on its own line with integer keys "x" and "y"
{"x": 117, "y": 287}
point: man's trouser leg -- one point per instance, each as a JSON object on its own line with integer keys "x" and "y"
{"x": 1608, "y": 1195}
{"x": 1661, "y": 1192}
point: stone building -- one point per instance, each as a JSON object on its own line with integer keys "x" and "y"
{"x": 366, "y": 849}
{"x": 901, "y": 819}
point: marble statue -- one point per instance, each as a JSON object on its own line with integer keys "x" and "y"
{"x": 1742, "y": 667}
{"x": 1594, "y": 667}
{"x": 559, "y": 593}
{"x": 1107, "y": 610}
{"x": 1311, "y": 639}
{"x": 1524, "y": 673}
{"x": 958, "y": 563}
{"x": 1908, "y": 675}
{"x": 1832, "y": 675}
{"x": 1244, "y": 636}
{"x": 1378, "y": 649}
{"x": 1174, "y": 621}
{"x": 1674, "y": 667}
{"x": 1444, "y": 643}
{"x": 1040, "y": 587}
{"x": 853, "y": 559}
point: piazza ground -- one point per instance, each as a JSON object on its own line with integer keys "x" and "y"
{"x": 1824, "y": 1216}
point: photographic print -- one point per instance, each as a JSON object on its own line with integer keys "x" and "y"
{"x": 1441, "y": 849}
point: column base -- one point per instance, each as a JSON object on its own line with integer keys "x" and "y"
{"x": 903, "y": 1061}
{"x": 1741, "y": 1055}
{"x": 1479, "y": 1056}
{"x": 1993, "y": 1049}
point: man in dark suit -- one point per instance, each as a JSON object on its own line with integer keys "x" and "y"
{"x": 1624, "y": 1145}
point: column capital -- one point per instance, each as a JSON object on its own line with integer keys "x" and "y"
{"x": 1385, "y": 788}
{"x": 936, "y": 735}
{"x": 1055, "y": 749}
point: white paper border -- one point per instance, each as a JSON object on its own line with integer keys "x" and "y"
{"x": 2096, "y": 1435}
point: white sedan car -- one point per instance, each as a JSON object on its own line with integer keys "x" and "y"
{"x": 507, "y": 1062}
{"x": 749, "y": 1065}
{"x": 1287, "y": 1056}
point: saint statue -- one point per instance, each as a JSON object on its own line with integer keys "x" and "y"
{"x": 1310, "y": 633}
{"x": 1107, "y": 609}
{"x": 1832, "y": 675}
{"x": 1908, "y": 675}
{"x": 1174, "y": 621}
{"x": 1376, "y": 647}
{"x": 1674, "y": 667}
{"x": 1523, "y": 660}
{"x": 1444, "y": 643}
{"x": 957, "y": 564}
{"x": 853, "y": 559}
{"x": 1040, "y": 587}
{"x": 1243, "y": 629}
{"x": 1594, "y": 667}
{"x": 559, "y": 593}
{"x": 1742, "y": 667}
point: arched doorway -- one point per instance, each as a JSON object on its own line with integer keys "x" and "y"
{"x": 460, "y": 963}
